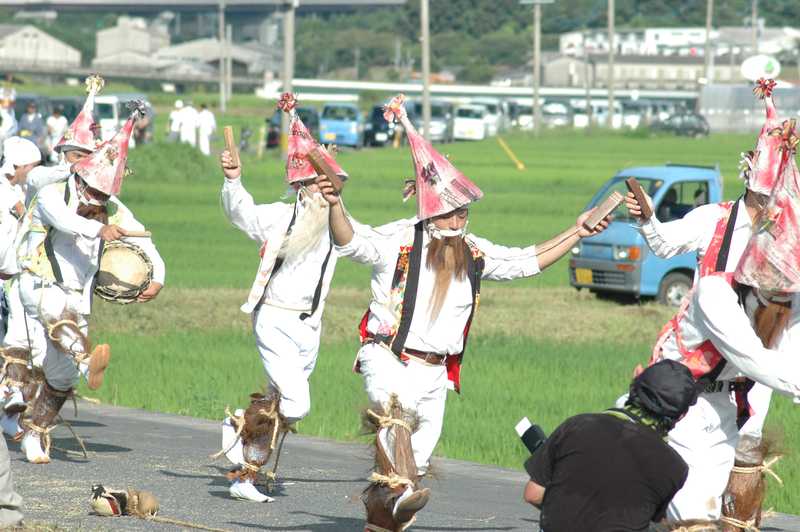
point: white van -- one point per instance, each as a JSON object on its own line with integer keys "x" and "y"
{"x": 470, "y": 122}
{"x": 111, "y": 112}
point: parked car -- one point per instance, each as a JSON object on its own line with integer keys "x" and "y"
{"x": 111, "y": 112}
{"x": 309, "y": 116}
{"x": 685, "y": 124}
{"x": 618, "y": 259}
{"x": 377, "y": 131}
{"x": 524, "y": 117}
{"x": 342, "y": 124}
{"x": 470, "y": 122}
{"x": 556, "y": 114}
{"x": 70, "y": 105}
{"x": 494, "y": 117}
{"x": 441, "y": 127}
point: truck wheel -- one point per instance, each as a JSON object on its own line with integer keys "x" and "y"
{"x": 674, "y": 288}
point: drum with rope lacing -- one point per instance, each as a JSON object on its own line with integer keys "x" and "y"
{"x": 125, "y": 272}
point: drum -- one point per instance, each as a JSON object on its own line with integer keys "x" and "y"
{"x": 125, "y": 272}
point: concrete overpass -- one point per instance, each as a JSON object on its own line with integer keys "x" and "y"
{"x": 250, "y": 6}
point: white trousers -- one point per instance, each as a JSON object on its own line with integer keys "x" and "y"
{"x": 288, "y": 347}
{"x": 204, "y": 143}
{"x": 49, "y": 302}
{"x": 22, "y": 326}
{"x": 420, "y": 387}
{"x": 706, "y": 439}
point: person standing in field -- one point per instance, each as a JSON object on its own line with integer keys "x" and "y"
{"x": 208, "y": 125}
{"x": 189, "y": 121}
{"x": 728, "y": 225}
{"x": 8, "y": 119}
{"x": 57, "y": 125}
{"x": 66, "y": 228}
{"x": 20, "y": 157}
{"x": 174, "y": 122}
{"x": 739, "y": 325}
{"x": 426, "y": 275}
{"x": 286, "y": 301}
{"x": 76, "y": 144}
{"x": 31, "y": 126}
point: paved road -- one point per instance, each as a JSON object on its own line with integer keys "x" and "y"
{"x": 321, "y": 481}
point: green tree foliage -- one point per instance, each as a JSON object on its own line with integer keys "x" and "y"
{"x": 477, "y": 38}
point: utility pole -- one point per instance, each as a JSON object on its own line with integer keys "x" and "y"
{"x": 357, "y": 59}
{"x": 611, "y": 50}
{"x": 424, "y": 16}
{"x": 288, "y": 67}
{"x": 709, "y": 54}
{"x": 537, "y": 59}
{"x": 221, "y": 24}
{"x": 229, "y": 61}
{"x": 588, "y": 84}
{"x": 754, "y": 24}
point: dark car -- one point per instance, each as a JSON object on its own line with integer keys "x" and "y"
{"x": 309, "y": 116}
{"x": 685, "y": 124}
{"x": 377, "y": 131}
{"x": 70, "y": 105}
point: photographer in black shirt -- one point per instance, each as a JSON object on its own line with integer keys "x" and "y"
{"x": 614, "y": 471}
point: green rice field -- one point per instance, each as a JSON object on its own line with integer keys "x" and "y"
{"x": 538, "y": 348}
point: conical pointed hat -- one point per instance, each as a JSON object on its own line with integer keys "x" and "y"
{"x": 301, "y": 143}
{"x": 105, "y": 168}
{"x": 440, "y": 187}
{"x": 771, "y": 260}
{"x": 767, "y": 156}
{"x": 81, "y": 132}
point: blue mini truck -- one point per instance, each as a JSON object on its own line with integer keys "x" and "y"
{"x": 618, "y": 261}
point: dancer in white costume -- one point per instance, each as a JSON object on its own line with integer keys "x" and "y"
{"x": 286, "y": 300}
{"x": 67, "y": 226}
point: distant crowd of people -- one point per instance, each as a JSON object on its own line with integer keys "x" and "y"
{"x": 45, "y": 133}
{"x": 187, "y": 124}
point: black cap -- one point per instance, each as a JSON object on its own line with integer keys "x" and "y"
{"x": 665, "y": 389}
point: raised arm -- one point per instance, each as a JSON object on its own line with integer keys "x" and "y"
{"x": 727, "y": 326}
{"x": 550, "y": 251}
{"x": 668, "y": 239}
{"x": 55, "y": 213}
{"x": 239, "y": 207}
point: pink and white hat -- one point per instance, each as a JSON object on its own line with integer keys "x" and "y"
{"x": 439, "y": 186}
{"x": 105, "y": 168}
{"x": 301, "y": 143}
{"x": 771, "y": 260}
{"x": 81, "y": 132}
{"x": 767, "y": 156}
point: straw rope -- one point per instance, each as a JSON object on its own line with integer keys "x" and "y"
{"x": 44, "y": 435}
{"x": 369, "y": 527}
{"x": 239, "y": 420}
{"x": 750, "y": 524}
{"x": 186, "y": 524}
{"x": 79, "y": 356}
{"x": 705, "y": 527}
{"x": 393, "y": 480}
{"x": 766, "y": 467}
{"x": 388, "y": 421}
